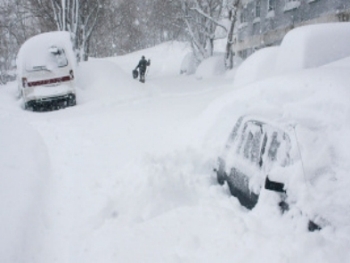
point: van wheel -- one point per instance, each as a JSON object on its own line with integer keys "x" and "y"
{"x": 221, "y": 177}
{"x": 71, "y": 100}
{"x": 28, "y": 107}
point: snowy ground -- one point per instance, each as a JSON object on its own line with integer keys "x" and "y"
{"x": 127, "y": 174}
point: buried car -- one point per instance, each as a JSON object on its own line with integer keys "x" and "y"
{"x": 253, "y": 149}
{"x": 261, "y": 156}
{"x": 45, "y": 72}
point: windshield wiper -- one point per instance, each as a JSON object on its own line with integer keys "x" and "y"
{"x": 41, "y": 68}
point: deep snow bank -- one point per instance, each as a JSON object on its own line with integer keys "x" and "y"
{"x": 25, "y": 171}
{"x": 304, "y": 47}
{"x": 313, "y": 46}
{"x": 258, "y": 66}
{"x": 211, "y": 67}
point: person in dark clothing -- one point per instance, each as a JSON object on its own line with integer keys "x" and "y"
{"x": 142, "y": 66}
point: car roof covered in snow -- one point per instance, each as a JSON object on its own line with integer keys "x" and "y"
{"x": 32, "y": 49}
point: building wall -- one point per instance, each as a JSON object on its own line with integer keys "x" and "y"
{"x": 268, "y": 29}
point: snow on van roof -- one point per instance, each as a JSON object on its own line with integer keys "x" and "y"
{"x": 35, "y": 48}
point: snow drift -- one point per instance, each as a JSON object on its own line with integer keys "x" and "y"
{"x": 313, "y": 46}
{"x": 210, "y": 67}
{"x": 25, "y": 174}
{"x": 258, "y": 66}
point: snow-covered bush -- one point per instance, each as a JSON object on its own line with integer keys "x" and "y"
{"x": 189, "y": 64}
{"x": 210, "y": 67}
{"x": 258, "y": 66}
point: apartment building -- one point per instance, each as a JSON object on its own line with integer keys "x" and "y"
{"x": 264, "y": 23}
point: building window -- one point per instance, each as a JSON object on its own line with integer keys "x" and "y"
{"x": 244, "y": 18}
{"x": 271, "y": 5}
{"x": 243, "y": 53}
{"x": 344, "y": 17}
{"x": 291, "y": 4}
{"x": 257, "y": 8}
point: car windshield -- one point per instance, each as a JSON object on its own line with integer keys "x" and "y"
{"x": 52, "y": 59}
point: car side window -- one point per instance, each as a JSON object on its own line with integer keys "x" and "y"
{"x": 256, "y": 145}
{"x": 248, "y": 145}
{"x": 275, "y": 143}
{"x": 252, "y": 139}
{"x": 263, "y": 149}
{"x": 279, "y": 148}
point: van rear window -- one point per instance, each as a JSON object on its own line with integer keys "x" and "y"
{"x": 49, "y": 60}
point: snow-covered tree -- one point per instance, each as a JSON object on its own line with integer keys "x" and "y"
{"x": 107, "y": 36}
{"x": 162, "y": 20}
{"x": 16, "y": 25}
{"x": 233, "y": 7}
{"x": 79, "y": 17}
{"x": 202, "y": 18}
{"x": 129, "y": 25}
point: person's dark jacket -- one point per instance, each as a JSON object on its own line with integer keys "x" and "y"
{"x": 143, "y": 65}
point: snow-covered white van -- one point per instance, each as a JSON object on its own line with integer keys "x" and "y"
{"x": 45, "y": 71}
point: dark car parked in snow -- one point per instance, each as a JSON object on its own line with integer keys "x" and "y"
{"x": 256, "y": 158}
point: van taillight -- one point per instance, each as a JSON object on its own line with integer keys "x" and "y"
{"x": 24, "y": 82}
{"x": 71, "y": 73}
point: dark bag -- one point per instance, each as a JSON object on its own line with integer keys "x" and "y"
{"x": 149, "y": 62}
{"x": 135, "y": 73}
